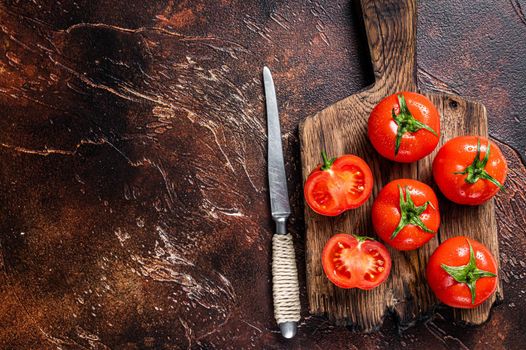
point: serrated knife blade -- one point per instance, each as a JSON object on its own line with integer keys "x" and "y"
{"x": 277, "y": 178}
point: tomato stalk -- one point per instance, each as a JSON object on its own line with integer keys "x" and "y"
{"x": 361, "y": 239}
{"x": 410, "y": 213}
{"x": 327, "y": 163}
{"x": 407, "y": 123}
{"x": 476, "y": 171}
{"x": 468, "y": 274}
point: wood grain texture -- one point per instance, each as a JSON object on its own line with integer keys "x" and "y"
{"x": 342, "y": 129}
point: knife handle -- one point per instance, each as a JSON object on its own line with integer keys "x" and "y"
{"x": 285, "y": 287}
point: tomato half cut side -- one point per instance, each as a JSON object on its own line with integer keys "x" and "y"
{"x": 351, "y": 261}
{"x": 339, "y": 184}
{"x": 354, "y": 180}
{"x": 321, "y": 197}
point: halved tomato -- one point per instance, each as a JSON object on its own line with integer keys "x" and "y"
{"x": 351, "y": 261}
{"x": 339, "y": 184}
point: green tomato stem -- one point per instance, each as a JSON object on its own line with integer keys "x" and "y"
{"x": 468, "y": 274}
{"x": 327, "y": 163}
{"x": 406, "y": 123}
{"x": 476, "y": 170}
{"x": 363, "y": 238}
{"x": 410, "y": 213}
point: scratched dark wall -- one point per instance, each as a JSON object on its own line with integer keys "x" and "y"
{"x": 133, "y": 199}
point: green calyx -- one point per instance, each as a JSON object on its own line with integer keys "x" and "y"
{"x": 327, "y": 163}
{"x": 410, "y": 213}
{"x": 406, "y": 123}
{"x": 475, "y": 171}
{"x": 468, "y": 274}
{"x": 361, "y": 239}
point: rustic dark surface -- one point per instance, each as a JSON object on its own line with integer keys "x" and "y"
{"x": 134, "y": 210}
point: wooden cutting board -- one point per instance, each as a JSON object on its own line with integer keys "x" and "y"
{"x": 342, "y": 129}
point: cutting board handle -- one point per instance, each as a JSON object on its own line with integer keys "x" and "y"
{"x": 391, "y": 33}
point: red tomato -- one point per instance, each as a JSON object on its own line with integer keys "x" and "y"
{"x": 469, "y": 169}
{"x": 351, "y": 261}
{"x": 405, "y": 214}
{"x": 338, "y": 185}
{"x": 462, "y": 272}
{"x": 404, "y": 127}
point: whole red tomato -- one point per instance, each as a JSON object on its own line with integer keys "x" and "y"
{"x": 462, "y": 273}
{"x": 339, "y": 184}
{"x": 351, "y": 261}
{"x": 469, "y": 169}
{"x": 404, "y": 127}
{"x": 405, "y": 214}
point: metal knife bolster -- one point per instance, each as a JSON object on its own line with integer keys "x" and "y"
{"x": 281, "y": 224}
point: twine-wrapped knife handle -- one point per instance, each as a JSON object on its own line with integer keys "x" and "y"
{"x": 285, "y": 286}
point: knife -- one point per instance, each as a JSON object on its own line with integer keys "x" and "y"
{"x": 285, "y": 288}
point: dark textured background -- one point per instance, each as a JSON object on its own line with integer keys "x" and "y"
{"x": 134, "y": 210}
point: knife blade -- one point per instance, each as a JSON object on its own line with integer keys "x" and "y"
{"x": 285, "y": 287}
{"x": 277, "y": 178}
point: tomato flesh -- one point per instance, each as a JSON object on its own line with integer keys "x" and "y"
{"x": 354, "y": 262}
{"x": 347, "y": 184}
